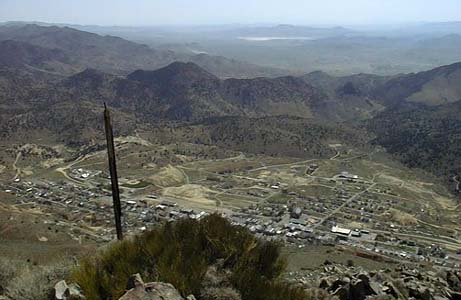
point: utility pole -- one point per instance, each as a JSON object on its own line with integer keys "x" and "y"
{"x": 113, "y": 173}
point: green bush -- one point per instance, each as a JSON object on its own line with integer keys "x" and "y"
{"x": 180, "y": 253}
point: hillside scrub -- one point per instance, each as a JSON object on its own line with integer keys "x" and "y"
{"x": 181, "y": 253}
{"x": 26, "y": 281}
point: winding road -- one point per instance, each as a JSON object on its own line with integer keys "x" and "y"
{"x": 15, "y": 167}
{"x": 456, "y": 180}
{"x": 62, "y": 170}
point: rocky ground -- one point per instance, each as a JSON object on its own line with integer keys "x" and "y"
{"x": 402, "y": 282}
{"x": 339, "y": 281}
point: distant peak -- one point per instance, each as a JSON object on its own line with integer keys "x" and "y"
{"x": 180, "y": 72}
{"x": 444, "y": 69}
{"x": 285, "y": 26}
{"x": 88, "y": 76}
{"x": 89, "y": 72}
{"x": 318, "y": 72}
{"x": 191, "y": 67}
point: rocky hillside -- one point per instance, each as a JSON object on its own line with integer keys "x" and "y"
{"x": 191, "y": 93}
{"x": 19, "y": 54}
{"x": 181, "y": 92}
{"x": 414, "y": 116}
{"x": 289, "y": 136}
{"x": 421, "y": 124}
{"x": 264, "y": 115}
{"x": 434, "y": 87}
{"x": 422, "y": 136}
{"x": 397, "y": 283}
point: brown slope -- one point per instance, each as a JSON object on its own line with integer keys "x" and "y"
{"x": 272, "y": 96}
{"x": 22, "y": 54}
{"x": 437, "y": 86}
{"x": 422, "y": 136}
{"x": 348, "y": 97}
{"x": 271, "y": 135}
{"x": 179, "y": 92}
{"x": 422, "y": 123}
{"x": 227, "y": 68}
{"x": 107, "y": 53}
{"x": 188, "y": 85}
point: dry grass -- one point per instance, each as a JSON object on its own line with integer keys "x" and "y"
{"x": 168, "y": 176}
{"x": 403, "y": 218}
{"x": 26, "y": 281}
{"x": 8, "y": 271}
{"x": 191, "y": 192}
{"x": 220, "y": 293}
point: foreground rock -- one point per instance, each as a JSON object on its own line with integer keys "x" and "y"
{"x": 398, "y": 282}
{"x": 138, "y": 290}
{"x": 401, "y": 283}
{"x": 63, "y": 291}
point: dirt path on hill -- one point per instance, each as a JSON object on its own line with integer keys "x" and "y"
{"x": 63, "y": 170}
{"x": 15, "y": 167}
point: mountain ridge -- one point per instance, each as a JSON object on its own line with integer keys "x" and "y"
{"x": 186, "y": 94}
{"x": 116, "y": 55}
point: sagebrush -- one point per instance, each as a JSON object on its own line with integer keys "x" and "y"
{"x": 180, "y": 253}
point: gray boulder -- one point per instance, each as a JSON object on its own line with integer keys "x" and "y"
{"x": 360, "y": 289}
{"x": 60, "y": 290}
{"x": 63, "y": 291}
{"x": 134, "y": 281}
{"x": 138, "y": 290}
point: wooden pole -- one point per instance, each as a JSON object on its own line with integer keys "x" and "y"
{"x": 113, "y": 173}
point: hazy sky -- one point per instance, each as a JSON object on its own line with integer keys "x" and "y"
{"x": 157, "y": 12}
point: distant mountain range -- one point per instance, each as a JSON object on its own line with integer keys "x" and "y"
{"x": 43, "y": 92}
{"x": 70, "y": 50}
{"x": 286, "y": 30}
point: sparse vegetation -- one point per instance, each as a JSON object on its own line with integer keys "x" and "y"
{"x": 422, "y": 136}
{"x": 402, "y": 218}
{"x": 286, "y": 157}
{"x": 26, "y": 281}
{"x": 181, "y": 253}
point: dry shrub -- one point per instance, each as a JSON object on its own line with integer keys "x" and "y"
{"x": 217, "y": 276}
{"x": 29, "y": 282}
{"x": 8, "y": 270}
{"x": 181, "y": 253}
{"x": 220, "y": 293}
{"x": 318, "y": 294}
{"x": 381, "y": 297}
{"x": 403, "y": 218}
